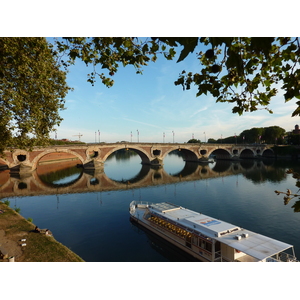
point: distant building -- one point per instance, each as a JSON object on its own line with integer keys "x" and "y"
{"x": 296, "y": 130}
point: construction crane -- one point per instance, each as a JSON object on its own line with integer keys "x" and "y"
{"x": 79, "y": 135}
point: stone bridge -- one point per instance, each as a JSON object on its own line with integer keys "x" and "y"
{"x": 32, "y": 185}
{"x": 93, "y": 156}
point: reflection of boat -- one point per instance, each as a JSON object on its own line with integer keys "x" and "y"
{"x": 206, "y": 238}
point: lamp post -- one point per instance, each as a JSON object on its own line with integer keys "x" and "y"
{"x": 138, "y": 135}
{"x": 163, "y": 137}
{"x": 131, "y": 136}
{"x": 173, "y": 136}
{"x": 204, "y": 137}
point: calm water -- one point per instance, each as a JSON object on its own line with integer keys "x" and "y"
{"x": 95, "y": 224}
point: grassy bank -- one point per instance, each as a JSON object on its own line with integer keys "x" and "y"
{"x": 39, "y": 247}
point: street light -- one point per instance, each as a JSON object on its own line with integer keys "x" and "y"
{"x": 204, "y": 137}
{"x": 138, "y": 135}
{"x": 173, "y": 136}
{"x": 163, "y": 137}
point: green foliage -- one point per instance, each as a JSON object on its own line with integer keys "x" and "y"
{"x": 244, "y": 71}
{"x": 62, "y": 142}
{"x": 294, "y": 139}
{"x": 30, "y": 220}
{"x": 212, "y": 141}
{"x": 18, "y": 209}
{"x": 6, "y": 202}
{"x": 267, "y": 135}
{"x": 32, "y": 92}
{"x": 194, "y": 141}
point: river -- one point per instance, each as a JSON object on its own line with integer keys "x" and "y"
{"x": 94, "y": 222}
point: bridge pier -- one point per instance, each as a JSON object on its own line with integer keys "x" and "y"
{"x": 94, "y": 165}
{"x": 21, "y": 169}
{"x": 156, "y": 162}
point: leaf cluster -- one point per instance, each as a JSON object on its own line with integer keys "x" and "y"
{"x": 244, "y": 71}
{"x": 288, "y": 195}
{"x": 32, "y": 92}
{"x": 247, "y": 71}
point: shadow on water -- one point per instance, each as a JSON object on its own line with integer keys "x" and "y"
{"x": 163, "y": 247}
{"x": 62, "y": 178}
{"x": 189, "y": 168}
{"x": 140, "y": 176}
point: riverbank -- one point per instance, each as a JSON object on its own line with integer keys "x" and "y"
{"x": 19, "y": 242}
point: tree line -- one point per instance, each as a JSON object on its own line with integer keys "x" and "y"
{"x": 257, "y": 135}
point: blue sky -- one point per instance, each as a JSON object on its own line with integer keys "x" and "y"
{"x": 149, "y": 106}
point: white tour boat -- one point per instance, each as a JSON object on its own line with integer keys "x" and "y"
{"x": 208, "y": 239}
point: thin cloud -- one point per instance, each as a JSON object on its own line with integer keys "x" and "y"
{"x": 143, "y": 123}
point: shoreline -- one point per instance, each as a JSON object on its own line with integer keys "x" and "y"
{"x": 19, "y": 242}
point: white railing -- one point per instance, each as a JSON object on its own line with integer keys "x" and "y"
{"x": 283, "y": 257}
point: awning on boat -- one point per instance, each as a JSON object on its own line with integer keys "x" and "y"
{"x": 255, "y": 245}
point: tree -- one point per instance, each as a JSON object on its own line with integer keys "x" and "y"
{"x": 253, "y": 135}
{"x": 32, "y": 92}
{"x": 274, "y": 135}
{"x": 268, "y": 135}
{"x": 212, "y": 141}
{"x": 245, "y": 71}
{"x": 193, "y": 141}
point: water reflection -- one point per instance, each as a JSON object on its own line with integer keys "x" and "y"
{"x": 124, "y": 170}
{"x": 82, "y": 210}
{"x": 62, "y": 178}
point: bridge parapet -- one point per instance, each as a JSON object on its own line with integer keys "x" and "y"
{"x": 93, "y": 156}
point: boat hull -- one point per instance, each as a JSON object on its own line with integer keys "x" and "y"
{"x": 166, "y": 237}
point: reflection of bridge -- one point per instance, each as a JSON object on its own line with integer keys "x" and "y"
{"x": 93, "y": 156}
{"x": 32, "y": 185}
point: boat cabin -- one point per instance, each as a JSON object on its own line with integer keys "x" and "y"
{"x": 212, "y": 239}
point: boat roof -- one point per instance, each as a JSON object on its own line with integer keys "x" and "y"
{"x": 251, "y": 243}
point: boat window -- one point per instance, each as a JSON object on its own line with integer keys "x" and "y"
{"x": 217, "y": 246}
{"x": 147, "y": 216}
{"x": 206, "y": 245}
{"x": 170, "y": 227}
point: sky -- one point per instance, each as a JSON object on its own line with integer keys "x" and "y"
{"x": 150, "y": 108}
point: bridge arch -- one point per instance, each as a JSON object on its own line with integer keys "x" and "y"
{"x": 268, "y": 153}
{"x": 141, "y": 152}
{"x": 189, "y": 154}
{"x": 247, "y": 153}
{"x": 220, "y": 153}
{"x": 36, "y": 160}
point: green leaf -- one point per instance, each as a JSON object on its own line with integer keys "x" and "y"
{"x": 189, "y": 45}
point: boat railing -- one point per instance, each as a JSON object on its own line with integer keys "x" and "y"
{"x": 139, "y": 204}
{"x": 282, "y": 257}
{"x": 218, "y": 256}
